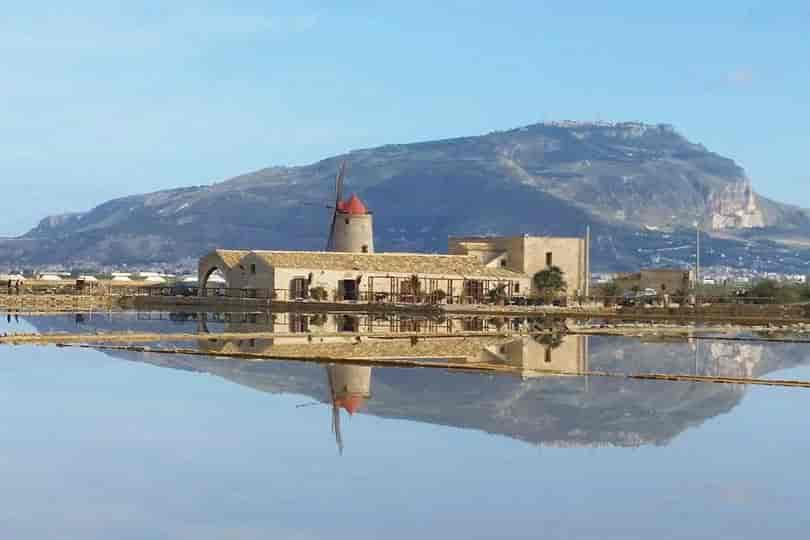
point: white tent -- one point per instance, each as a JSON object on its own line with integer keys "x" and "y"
{"x": 216, "y": 279}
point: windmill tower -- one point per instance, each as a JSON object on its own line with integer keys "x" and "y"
{"x": 352, "y": 229}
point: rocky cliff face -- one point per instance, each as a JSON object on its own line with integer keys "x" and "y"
{"x": 624, "y": 179}
{"x": 735, "y": 207}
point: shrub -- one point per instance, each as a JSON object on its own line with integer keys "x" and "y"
{"x": 318, "y": 293}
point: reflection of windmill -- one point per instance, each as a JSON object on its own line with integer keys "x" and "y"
{"x": 335, "y": 412}
{"x": 349, "y": 389}
{"x": 351, "y": 230}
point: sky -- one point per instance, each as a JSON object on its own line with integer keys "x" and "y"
{"x": 101, "y": 99}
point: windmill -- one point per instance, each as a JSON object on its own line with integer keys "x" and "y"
{"x": 341, "y": 175}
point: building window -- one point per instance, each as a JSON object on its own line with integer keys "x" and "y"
{"x": 346, "y": 323}
{"x": 548, "y": 355}
{"x": 347, "y": 221}
{"x": 253, "y": 268}
{"x": 474, "y": 324}
{"x": 298, "y": 288}
{"x": 409, "y": 325}
{"x": 298, "y": 323}
{"x": 365, "y": 249}
{"x": 503, "y": 262}
{"x": 549, "y": 259}
{"x": 474, "y": 289}
{"x": 517, "y": 287}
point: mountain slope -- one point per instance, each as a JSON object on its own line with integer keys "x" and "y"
{"x": 629, "y": 181}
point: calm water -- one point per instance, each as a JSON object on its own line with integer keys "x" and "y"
{"x": 133, "y": 445}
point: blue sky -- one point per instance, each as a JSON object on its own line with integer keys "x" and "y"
{"x": 103, "y": 99}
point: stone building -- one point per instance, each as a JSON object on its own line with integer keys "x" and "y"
{"x": 476, "y": 270}
{"x": 401, "y": 277}
{"x": 662, "y": 280}
{"x": 528, "y": 255}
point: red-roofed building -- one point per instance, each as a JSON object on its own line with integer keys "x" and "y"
{"x": 353, "y": 205}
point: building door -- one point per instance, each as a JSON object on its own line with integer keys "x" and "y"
{"x": 298, "y": 288}
{"x": 348, "y": 288}
{"x": 347, "y": 323}
{"x": 474, "y": 290}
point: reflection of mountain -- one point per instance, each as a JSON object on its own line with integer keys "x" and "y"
{"x": 128, "y": 321}
{"x": 700, "y": 357}
{"x": 536, "y": 409}
{"x": 567, "y": 411}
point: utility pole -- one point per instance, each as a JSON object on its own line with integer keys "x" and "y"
{"x": 697, "y": 261}
{"x": 588, "y": 261}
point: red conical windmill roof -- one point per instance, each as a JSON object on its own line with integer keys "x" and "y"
{"x": 352, "y": 403}
{"x": 352, "y": 206}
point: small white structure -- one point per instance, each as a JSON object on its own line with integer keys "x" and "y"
{"x": 154, "y": 279}
{"x": 121, "y": 278}
{"x": 49, "y": 277}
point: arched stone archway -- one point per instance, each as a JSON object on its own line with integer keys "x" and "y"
{"x": 215, "y": 278}
{"x": 223, "y": 262}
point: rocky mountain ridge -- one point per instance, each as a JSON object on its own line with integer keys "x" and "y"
{"x": 641, "y": 187}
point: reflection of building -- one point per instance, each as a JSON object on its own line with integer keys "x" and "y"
{"x": 537, "y": 356}
{"x": 349, "y": 389}
{"x": 554, "y": 411}
{"x": 531, "y": 356}
{"x": 319, "y": 324}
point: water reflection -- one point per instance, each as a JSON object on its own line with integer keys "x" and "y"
{"x": 533, "y": 404}
{"x": 555, "y": 411}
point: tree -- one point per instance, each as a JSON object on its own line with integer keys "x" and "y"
{"x": 550, "y": 282}
{"x": 318, "y": 293}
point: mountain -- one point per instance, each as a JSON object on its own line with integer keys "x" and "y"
{"x": 641, "y": 188}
